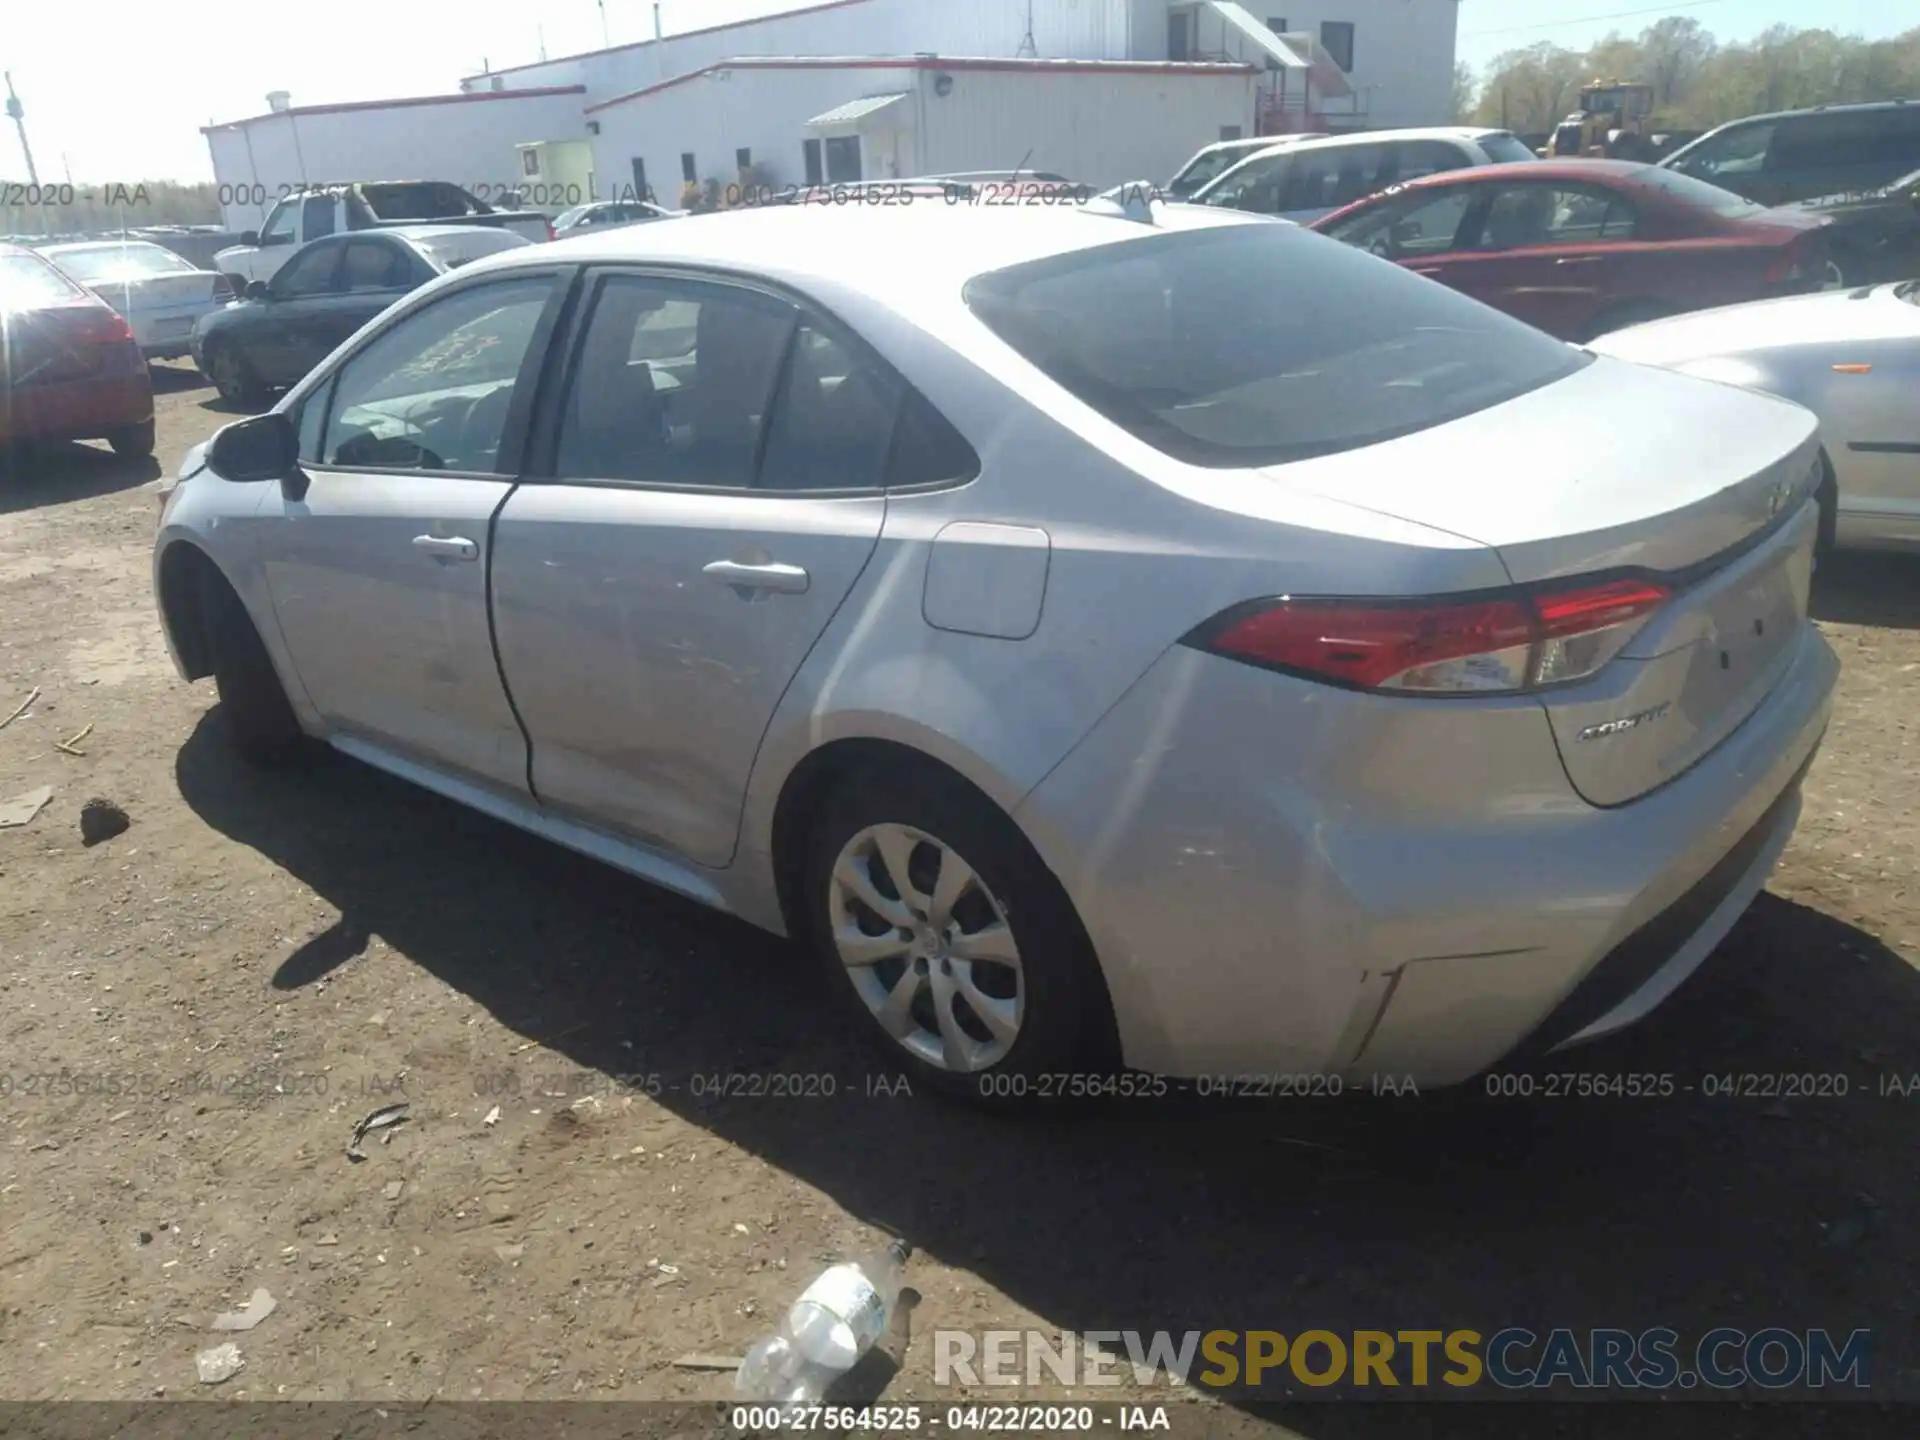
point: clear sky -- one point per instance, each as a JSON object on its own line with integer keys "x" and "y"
{"x": 116, "y": 90}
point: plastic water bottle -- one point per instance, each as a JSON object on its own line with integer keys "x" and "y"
{"x": 835, "y": 1321}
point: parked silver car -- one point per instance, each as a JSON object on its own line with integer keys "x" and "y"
{"x": 1196, "y": 643}
{"x": 1850, "y": 356}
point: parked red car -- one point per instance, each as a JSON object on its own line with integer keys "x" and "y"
{"x": 1581, "y": 247}
{"x": 70, "y": 368}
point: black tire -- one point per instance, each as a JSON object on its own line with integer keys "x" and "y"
{"x": 1066, "y": 1027}
{"x": 133, "y": 441}
{"x": 259, "y": 720}
{"x": 1633, "y": 312}
{"x": 233, "y": 375}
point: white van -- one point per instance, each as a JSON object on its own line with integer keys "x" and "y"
{"x": 1311, "y": 178}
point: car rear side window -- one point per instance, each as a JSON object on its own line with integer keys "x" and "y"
{"x": 1255, "y": 344}
{"x": 671, "y": 383}
{"x": 1504, "y": 149}
{"x": 432, "y": 392}
{"x": 27, "y": 281}
{"x": 374, "y": 265}
{"x": 833, "y": 419}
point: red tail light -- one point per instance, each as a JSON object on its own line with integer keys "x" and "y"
{"x": 550, "y": 230}
{"x": 1471, "y": 645}
{"x": 93, "y": 325}
{"x": 222, "y": 290}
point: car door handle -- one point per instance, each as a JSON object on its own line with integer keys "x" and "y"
{"x": 1578, "y": 260}
{"x": 447, "y": 547}
{"x": 1426, "y": 269}
{"x": 785, "y": 579}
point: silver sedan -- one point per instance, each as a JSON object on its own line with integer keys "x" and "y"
{"x": 1176, "y": 641}
{"x": 1850, "y": 356}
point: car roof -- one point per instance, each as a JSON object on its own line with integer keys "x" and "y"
{"x": 1528, "y": 170}
{"x": 1853, "y": 107}
{"x": 861, "y": 246}
{"x": 74, "y": 247}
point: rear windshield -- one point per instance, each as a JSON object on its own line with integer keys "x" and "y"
{"x": 27, "y": 281}
{"x": 114, "y": 262}
{"x": 1261, "y": 343}
{"x": 1503, "y": 149}
{"x": 419, "y": 200}
{"x": 1698, "y": 194}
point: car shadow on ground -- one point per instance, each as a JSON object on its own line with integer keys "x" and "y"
{"x": 175, "y": 377}
{"x": 1446, "y": 1210}
{"x": 1866, "y": 587}
{"x": 56, "y": 474}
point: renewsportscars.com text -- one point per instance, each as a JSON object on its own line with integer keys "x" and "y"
{"x": 1512, "y": 1358}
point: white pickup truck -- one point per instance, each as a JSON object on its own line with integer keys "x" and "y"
{"x": 309, "y": 213}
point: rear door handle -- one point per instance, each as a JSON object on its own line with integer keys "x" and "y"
{"x": 783, "y": 579}
{"x": 447, "y": 547}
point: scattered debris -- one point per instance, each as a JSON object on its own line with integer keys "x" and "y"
{"x": 394, "y": 1187}
{"x": 222, "y": 1362}
{"x": 21, "y": 809}
{"x": 328, "y": 1239}
{"x": 698, "y": 1361}
{"x": 561, "y": 1035}
{"x": 395, "y": 1114}
{"x": 101, "y": 820}
{"x": 739, "y": 1229}
{"x": 509, "y": 1252}
{"x": 71, "y": 742}
{"x": 144, "y": 1237}
{"x": 24, "y": 706}
{"x": 259, "y": 1305}
{"x": 492, "y": 1116}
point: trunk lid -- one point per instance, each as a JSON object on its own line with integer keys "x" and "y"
{"x": 148, "y": 293}
{"x": 1623, "y": 468}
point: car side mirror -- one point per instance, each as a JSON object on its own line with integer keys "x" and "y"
{"x": 250, "y": 237}
{"x": 263, "y": 447}
{"x": 257, "y": 290}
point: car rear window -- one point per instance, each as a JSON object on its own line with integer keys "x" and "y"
{"x": 27, "y": 281}
{"x": 113, "y": 262}
{"x": 1504, "y": 149}
{"x": 1258, "y": 344}
{"x": 1696, "y": 193}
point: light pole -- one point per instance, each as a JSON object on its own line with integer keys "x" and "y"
{"x": 20, "y": 124}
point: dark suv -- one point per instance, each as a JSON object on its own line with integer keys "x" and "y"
{"x": 1859, "y": 165}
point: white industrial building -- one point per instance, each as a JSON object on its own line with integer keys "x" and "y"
{"x": 1097, "y": 90}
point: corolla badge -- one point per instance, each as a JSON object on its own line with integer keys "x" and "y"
{"x": 1624, "y": 723}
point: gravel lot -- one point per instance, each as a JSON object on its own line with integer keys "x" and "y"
{"x": 259, "y": 961}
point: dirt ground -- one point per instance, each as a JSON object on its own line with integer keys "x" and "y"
{"x": 259, "y": 961}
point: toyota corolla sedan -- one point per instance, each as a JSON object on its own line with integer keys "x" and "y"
{"x": 1188, "y": 643}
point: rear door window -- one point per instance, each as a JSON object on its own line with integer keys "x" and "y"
{"x": 672, "y": 381}
{"x": 1250, "y": 344}
{"x": 1327, "y": 179}
{"x": 374, "y": 265}
{"x": 1414, "y": 158}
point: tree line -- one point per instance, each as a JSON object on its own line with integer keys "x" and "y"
{"x": 60, "y": 207}
{"x": 1698, "y": 82}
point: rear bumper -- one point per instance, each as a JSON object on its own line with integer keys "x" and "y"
{"x": 76, "y": 409}
{"x": 1280, "y": 877}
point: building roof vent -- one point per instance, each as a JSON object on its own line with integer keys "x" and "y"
{"x": 278, "y": 101}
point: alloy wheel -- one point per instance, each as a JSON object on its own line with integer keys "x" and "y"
{"x": 927, "y": 946}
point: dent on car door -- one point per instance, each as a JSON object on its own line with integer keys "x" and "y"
{"x": 378, "y": 574}
{"x": 713, "y": 490}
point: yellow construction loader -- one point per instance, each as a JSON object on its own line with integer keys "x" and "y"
{"x": 1613, "y": 122}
